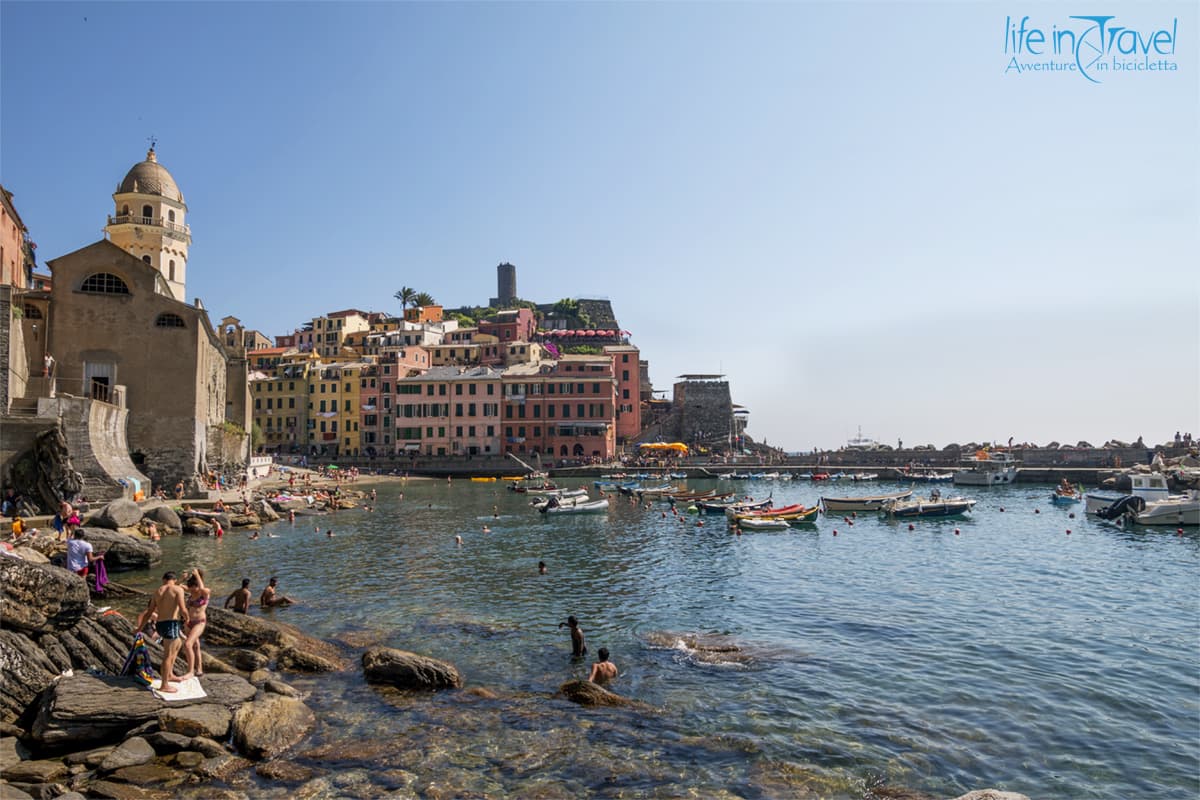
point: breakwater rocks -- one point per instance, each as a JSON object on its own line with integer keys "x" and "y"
{"x": 70, "y": 722}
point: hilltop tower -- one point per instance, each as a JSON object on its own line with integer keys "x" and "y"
{"x": 150, "y": 222}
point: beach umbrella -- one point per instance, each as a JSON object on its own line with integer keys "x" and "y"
{"x": 589, "y": 333}
{"x": 334, "y": 466}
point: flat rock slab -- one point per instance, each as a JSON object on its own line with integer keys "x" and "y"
{"x": 11, "y": 752}
{"x": 39, "y": 771}
{"x": 991, "y": 794}
{"x": 208, "y": 720}
{"x": 149, "y": 775}
{"x": 88, "y": 710}
{"x": 113, "y": 790}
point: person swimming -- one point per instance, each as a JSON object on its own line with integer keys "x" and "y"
{"x": 603, "y": 670}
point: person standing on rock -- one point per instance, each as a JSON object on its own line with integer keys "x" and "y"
{"x": 198, "y": 596}
{"x": 578, "y": 646}
{"x": 240, "y": 599}
{"x": 167, "y": 605}
{"x": 80, "y": 554}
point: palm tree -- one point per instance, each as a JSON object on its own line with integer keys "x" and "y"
{"x": 405, "y": 295}
{"x": 423, "y": 299}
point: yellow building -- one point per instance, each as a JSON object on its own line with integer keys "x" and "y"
{"x": 334, "y": 417}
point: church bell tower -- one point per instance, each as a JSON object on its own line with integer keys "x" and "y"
{"x": 150, "y": 222}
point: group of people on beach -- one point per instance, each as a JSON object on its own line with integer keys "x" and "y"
{"x": 179, "y": 615}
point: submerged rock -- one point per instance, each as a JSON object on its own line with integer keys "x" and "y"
{"x": 991, "y": 794}
{"x": 586, "y": 693}
{"x": 406, "y": 670}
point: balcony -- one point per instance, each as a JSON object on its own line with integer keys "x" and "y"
{"x": 173, "y": 229}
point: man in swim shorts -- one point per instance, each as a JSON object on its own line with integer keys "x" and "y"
{"x": 166, "y": 607}
{"x": 603, "y": 670}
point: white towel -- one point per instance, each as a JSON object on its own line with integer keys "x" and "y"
{"x": 184, "y": 690}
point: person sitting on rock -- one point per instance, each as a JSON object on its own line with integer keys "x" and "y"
{"x": 603, "y": 670}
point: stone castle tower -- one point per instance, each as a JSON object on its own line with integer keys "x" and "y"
{"x": 150, "y": 222}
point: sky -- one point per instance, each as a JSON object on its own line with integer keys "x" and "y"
{"x": 860, "y": 213}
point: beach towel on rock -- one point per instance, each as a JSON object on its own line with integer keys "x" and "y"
{"x": 137, "y": 663}
{"x": 184, "y": 690}
{"x": 101, "y": 575}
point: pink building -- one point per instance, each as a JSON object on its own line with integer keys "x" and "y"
{"x": 513, "y": 325}
{"x": 449, "y": 411}
{"x": 628, "y": 375}
{"x": 563, "y": 409}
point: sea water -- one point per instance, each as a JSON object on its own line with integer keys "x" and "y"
{"x": 1016, "y": 648}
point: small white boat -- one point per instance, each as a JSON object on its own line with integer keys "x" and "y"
{"x": 987, "y": 468}
{"x": 868, "y": 503}
{"x": 1175, "y": 510}
{"x": 578, "y": 507}
{"x": 864, "y": 476}
{"x": 752, "y": 524}
{"x": 934, "y": 506}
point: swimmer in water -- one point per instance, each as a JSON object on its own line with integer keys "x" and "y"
{"x": 486, "y": 529}
{"x": 458, "y": 540}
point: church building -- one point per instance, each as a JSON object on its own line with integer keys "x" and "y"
{"x": 122, "y": 331}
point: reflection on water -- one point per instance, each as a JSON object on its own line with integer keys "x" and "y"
{"x": 1008, "y": 653}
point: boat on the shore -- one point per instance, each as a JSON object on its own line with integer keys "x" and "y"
{"x": 866, "y": 503}
{"x": 987, "y": 468}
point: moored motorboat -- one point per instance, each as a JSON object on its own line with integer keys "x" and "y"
{"x": 864, "y": 476}
{"x": 580, "y": 506}
{"x": 925, "y": 476}
{"x": 866, "y": 503}
{"x": 935, "y": 506}
{"x": 987, "y": 468}
{"x": 1151, "y": 487}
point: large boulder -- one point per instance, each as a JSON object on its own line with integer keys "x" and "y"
{"x": 123, "y": 552}
{"x": 295, "y": 649}
{"x": 406, "y": 670}
{"x": 87, "y": 710}
{"x": 117, "y": 514}
{"x": 587, "y": 693}
{"x": 162, "y": 515}
{"x": 269, "y": 726}
{"x": 39, "y": 598}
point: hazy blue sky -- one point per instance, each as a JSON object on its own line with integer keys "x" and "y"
{"x": 849, "y": 209}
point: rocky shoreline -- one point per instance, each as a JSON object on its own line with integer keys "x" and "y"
{"x": 71, "y": 726}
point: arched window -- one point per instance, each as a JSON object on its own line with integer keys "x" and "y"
{"x": 169, "y": 321}
{"x": 146, "y": 259}
{"x": 578, "y": 449}
{"x": 32, "y": 312}
{"x": 147, "y": 211}
{"x": 103, "y": 283}
{"x": 172, "y": 273}
{"x": 124, "y": 211}
{"x": 563, "y": 450}
{"x": 171, "y": 215}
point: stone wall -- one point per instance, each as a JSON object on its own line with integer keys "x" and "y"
{"x": 95, "y": 434}
{"x": 704, "y": 410}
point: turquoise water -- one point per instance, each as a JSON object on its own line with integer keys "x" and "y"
{"x": 1010, "y": 654}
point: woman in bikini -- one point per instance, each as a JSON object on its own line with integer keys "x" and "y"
{"x": 197, "y": 609}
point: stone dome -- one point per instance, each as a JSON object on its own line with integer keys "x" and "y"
{"x": 150, "y": 177}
